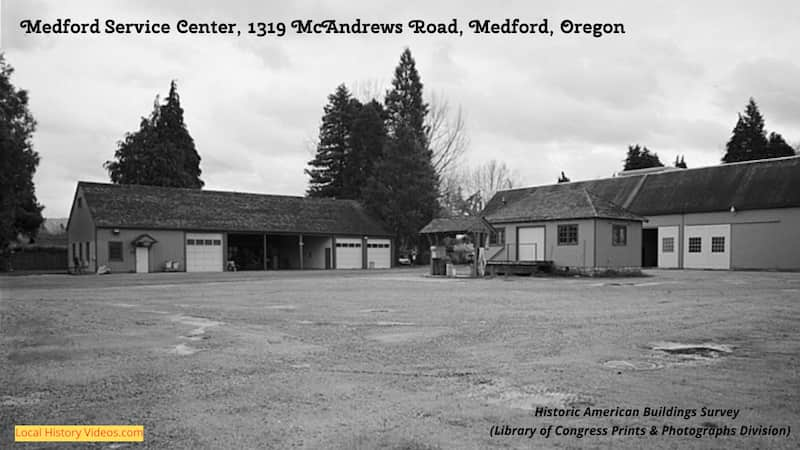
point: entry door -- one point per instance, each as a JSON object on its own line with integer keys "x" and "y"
{"x": 142, "y": 259}
{"x": 530, "y": 244}
{"x": 668, "y": 247}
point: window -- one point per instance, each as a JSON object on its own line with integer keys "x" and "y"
{"x": 718, "y": 244}
{"x": 695, "y": 244}
{"x": 668, "y": 245}
{"x": 217, "y": 242}
{"x": 619, "y": 235}
{"x": 498, "y": 238}
{"x": 190, "y": 242}
{"x": 74, "y": 251}
{"x": 568, "y": 234}
{"x": 115, "y": 251}
{"x": 209, "y": 242}
{"x": 88, "y": 252}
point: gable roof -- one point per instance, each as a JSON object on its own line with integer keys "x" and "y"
{"x": 458, "y": 224}
{"x": 772, "y": 183}
{"x": 153, "y": 207}
{"x": 554, "y": 202}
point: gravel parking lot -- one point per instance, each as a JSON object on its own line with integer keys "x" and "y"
{"x": 396, "y": 359}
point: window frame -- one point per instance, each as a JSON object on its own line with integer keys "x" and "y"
{"x": 624, "y": 241}
{"x": 698, "y": 240}
{"x": 716, "y": 240}
{"x": 671, "y": 240}
{"x": 564, "y": 230}
{"x": 121, "y": 251}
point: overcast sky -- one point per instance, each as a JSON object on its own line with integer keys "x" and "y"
{"x": 674, "y": 82}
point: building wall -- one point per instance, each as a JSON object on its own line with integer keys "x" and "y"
{"x": 81, "y": 231}
{"x": 615, "y": 256}
{"x": 581, "y": 255}
{"x": 170, "y": 246}
{"x": 760, "y": 239}
{"x": 314, "y": 252}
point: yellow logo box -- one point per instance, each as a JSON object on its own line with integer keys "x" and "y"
{"x": 79, "y": 433}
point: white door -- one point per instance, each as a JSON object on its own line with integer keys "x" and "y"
{"x": 668, "y": 249}
{"x": 379, "y": 253}
{"x": 530, "y": 244}
{"x": 707, "y": 247}
{"x": 348, "y": 253}
{"x": 142, "y": 260}
{"x": 204, "y": 252}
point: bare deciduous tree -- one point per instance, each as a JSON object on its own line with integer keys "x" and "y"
{"x": 467, "y": 191}
{"x": 446, "y": 133}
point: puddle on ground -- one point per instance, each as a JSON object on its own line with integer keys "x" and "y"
{"x": 707, "y": 350}
{"x": 396, "y": 338}
{"x": 498, "y": 392}
{"x": 632, "y": 365}
{"x": 376, "y": 310}
{"x": 184, "y": 350}
{"x": 200, "y": 322}
{"x": 671, "y": 354}
{"x": 282, "y": 307}
{"x": 25, "y": 400}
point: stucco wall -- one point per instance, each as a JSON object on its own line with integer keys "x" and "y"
{"x": 760, "y": 239}
{"x": 170, "y": 246}
{"x": 81, "y": 231}
{"x": 615, "y": 256}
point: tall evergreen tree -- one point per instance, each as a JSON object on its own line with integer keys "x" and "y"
{"x": 680, "y": 163}
{"x": 404, "y": 104}
{"x": 328, "y": 166}
{"x": 161, "y": 152}
{"x": 403, "y": 192}
{"x": 367, "y": 140}
{"x": 563, "y": 178}
{"x": 20, "y": 212}
{"x": 749, "y": 139}
{"x": 641, "y": 158}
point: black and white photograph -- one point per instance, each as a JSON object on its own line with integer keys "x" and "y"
{"x": 402, "y": 225}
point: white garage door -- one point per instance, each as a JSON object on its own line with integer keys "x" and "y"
{"x": 379, "y": 253}
{"x": 668, "y": 247}
{"x": 530, "y": 246}
{"x": 348, "y": 253}
{"x": 204, "y": 252}
{"x": 707, "y": 247}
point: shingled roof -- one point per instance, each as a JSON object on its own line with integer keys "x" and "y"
{"x": 555, "y": 202}
{"x": 151, "y": 207}
{"x": 458, "y": 224}
{"x": 773, "y": 183}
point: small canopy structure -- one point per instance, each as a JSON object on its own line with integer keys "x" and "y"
{"x": 476, "y": 227}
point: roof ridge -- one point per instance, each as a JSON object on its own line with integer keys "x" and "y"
{"x": 591, "y": 201}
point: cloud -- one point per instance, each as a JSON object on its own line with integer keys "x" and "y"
{"x": 674, "y": 82}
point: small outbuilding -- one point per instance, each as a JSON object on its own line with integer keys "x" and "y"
{"x": 132, "y": 228}
{"x": 567, "y": 225}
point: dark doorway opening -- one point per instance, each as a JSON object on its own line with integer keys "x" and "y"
{"x": 283, "y": 252}
{"x": 649, "y": 247}
{"x": 246, "y": 251}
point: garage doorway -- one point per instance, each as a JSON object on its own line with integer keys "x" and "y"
{"x": 246, "y": 251}
{"x": 649, "y": 247}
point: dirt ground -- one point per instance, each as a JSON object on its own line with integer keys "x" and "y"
{"x": 396, "y": 359}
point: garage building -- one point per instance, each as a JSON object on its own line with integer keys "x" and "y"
{"x": 732, "y": 216}
{"x": 131, "y": 228}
